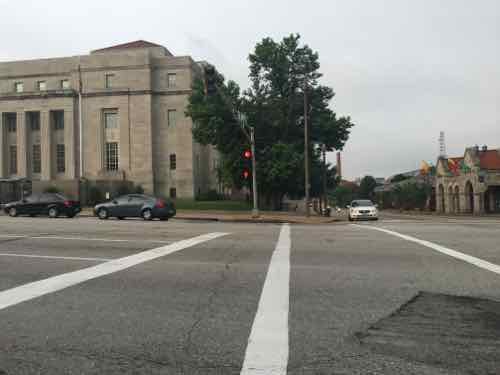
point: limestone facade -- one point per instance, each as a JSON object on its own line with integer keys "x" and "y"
{"x": 469, "y": 184}
{"x": 133, "y": 99}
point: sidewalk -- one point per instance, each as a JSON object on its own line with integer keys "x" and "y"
{"x": 269, "y": 217}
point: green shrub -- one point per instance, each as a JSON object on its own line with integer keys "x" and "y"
{"x": 51, "y": 189}
{"x": 210, "y": 195}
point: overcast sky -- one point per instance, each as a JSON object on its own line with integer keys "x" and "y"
{"x": 402, "y": 69}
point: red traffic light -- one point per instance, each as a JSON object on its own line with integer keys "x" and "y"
{"x": 247, "y": 154}
{"x": 246, "y": 174}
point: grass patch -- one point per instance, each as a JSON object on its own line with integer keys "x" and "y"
{"x": 190, "y": 204}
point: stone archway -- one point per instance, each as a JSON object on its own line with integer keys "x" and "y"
{"x": 441, "y": 198}
{"x": 457, "y": 199}
{"x": 469, "y": 197}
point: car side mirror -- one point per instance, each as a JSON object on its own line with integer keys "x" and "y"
{"x": 114, "y": 201}
{"x": 24, "y": 201}
{"x": 376, "y": 206}
{"x": 348, "y": 206}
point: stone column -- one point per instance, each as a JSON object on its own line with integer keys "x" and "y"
{"x": 69, "y": 142}
{"x": 46, "y": 145}
{"x": 3, "y": 149}
{"x": 439, "y": 200}
{"x": 463, "y": 202}
{"x": 478, "y": 203}
{"x": 22, "y": 145}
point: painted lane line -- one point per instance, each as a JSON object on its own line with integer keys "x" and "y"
{"x": 79, "y": 238}
{"x": 444, "y": 250}
{"x": 54, "y": 257}
{"x": 94, "y": 239}
{"x": 267, "y": 349}
{"x": 36, "y": 289}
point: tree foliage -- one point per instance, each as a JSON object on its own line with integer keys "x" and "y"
{"x": 274, "y": 106}
{"x": 367, "y": 187}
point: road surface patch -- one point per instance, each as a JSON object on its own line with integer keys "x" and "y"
{"x": 441, "y": 330}
{"x": 444, "y": 250}
{"x": 267, "y": 350}
{"x": 36, "y": 289}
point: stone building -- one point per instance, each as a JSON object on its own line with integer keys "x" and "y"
{"x": 114, "y": 115}
{"x": 469, "y": 184}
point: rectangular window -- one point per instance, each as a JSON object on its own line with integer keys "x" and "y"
{"x": 57, "y": 119}
{"x": 109, "y": 80}
{"x": 173, "y": 162}
{"x": 11, "y": 119}
{"x": 111, "y": 154}
{"x": 173, "y": 193}
{"x": 13, "y": 159}
{"x": 65, "y": 84}
{"x": 110, "y": 120}
{"x": 19, "y": 87}
{"x": 171, "y": 117}
{"x": 60, "y": 158}
{"x": 41, "y": 86}
{"x": 34, "y": 120}
{"x": 37, "y": 159}
{"x": 171, "y": 80}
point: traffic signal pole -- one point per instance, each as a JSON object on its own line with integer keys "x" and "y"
{"x": 255, "y": 210}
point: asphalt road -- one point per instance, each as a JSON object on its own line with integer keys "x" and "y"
{"x": 83, "y": 296}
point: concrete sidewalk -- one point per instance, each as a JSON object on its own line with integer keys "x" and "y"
{"x": 270, "y": 217}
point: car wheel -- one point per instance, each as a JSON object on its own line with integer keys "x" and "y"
{"x": 147, "y": 214}
{"x": 12, "y": 212}
{"x": 351, "y": 219}
{"x": 32, "y": 215}
{"x": 102, "y": 213}
{"x": 53, "y": 212}
{"x": 71, "y": 216}
{"x": 121, "y": 217}
{"x": 164, "y": 218}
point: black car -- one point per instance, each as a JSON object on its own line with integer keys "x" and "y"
{"x": 136, "y": 205}
{"x": 50, "y": 204}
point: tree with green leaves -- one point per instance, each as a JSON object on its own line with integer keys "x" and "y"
{"x": 280, "y": 73}
{"x": 367, "y": 187}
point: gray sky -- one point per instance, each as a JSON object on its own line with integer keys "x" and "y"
{"x": 402, "y": 69}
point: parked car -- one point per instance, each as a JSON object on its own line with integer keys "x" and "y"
{"x": 362, "y": 209}
{"x": 51, "y": 204}
{"x": 135, "y": 205}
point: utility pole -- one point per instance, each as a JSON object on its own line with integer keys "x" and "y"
{"x": 325, "y": 203}
{"x": 306, "y": 150}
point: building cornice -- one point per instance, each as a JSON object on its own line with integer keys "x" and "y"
{"x": 93, "y": 94}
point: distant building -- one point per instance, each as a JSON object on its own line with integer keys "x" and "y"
{"x": 469, "y": 184}
{"x": 128, "y": 104}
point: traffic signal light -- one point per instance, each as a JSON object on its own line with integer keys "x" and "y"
{"x": 247, "y": 164}
{"x": 210, "y": 80}
{"x": 247, "y": 154}
{"x": 246, "y": 173}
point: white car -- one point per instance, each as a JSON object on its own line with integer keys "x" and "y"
{"x": 362, "y": 209}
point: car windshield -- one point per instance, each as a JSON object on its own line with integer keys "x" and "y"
{"x": 364, "y": 203}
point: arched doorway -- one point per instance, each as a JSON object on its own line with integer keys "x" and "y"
{"x": 457, "y": 199}
{"x": 451, "y": 200}
{"x": 441, "y": 199}
{"x": 469, "y": 197}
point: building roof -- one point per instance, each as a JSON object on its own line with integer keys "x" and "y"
{"x": 130, "y": 45}
{"x": 489, "y": 159}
